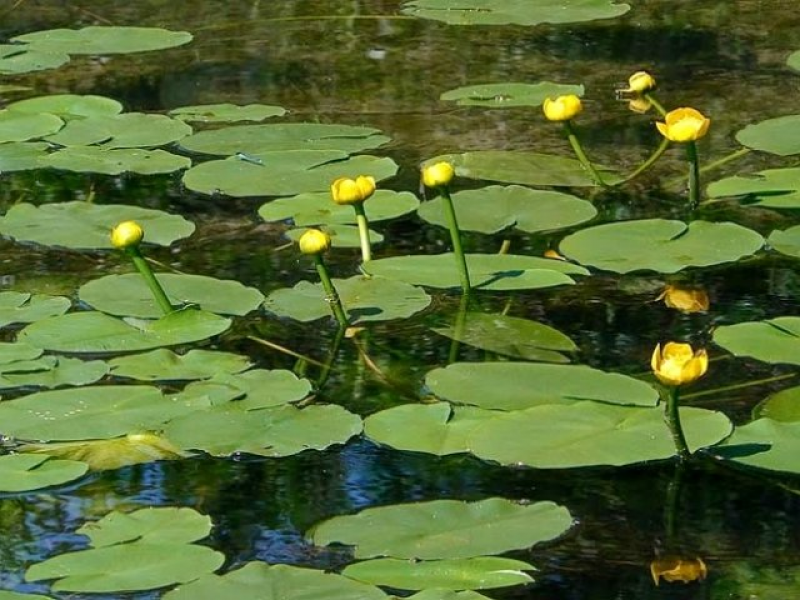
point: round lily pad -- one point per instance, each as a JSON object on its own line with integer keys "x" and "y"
{"x": 773, "y": 341}
{"x": 68, "y": 105}
{"x": 660, "y": 245}
{"x": 514, "y": 12}
{"x": 20, "y": 307}
{"x": 20, "y": 126}
{"x": 104, "y": 40}
{"x": 227, "y": 113}
{"x": 764, "y": 444}
{"x": 165, "y": 365}
{"x": 90, "y": 159}
{"x": 779, "y": 136}
{"x": 128, "y": 130}
{"x": 24, "y": 472}
{"x": 16, "y": 59}
{"x": 507, "y": 95}
{"x": 251, "y": 390}
{"x": 21, "y": 156}
{"x": 775, "y": 188}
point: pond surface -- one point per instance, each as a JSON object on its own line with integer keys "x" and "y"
{"x": 364, "y": 63}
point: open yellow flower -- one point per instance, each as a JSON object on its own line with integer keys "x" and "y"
{"x": 684, "y": 125}
{"x": 126, "y": 234}
{"x": 314, "y": 241}
{"x": 352, "y": 191}
{"x": 686, "y": 300}
{"x": 437, "y": 175}
{"x": 677, "y": 364}
{"x": 640, "y": 82}
{"x": 562, "y": 108}
{"x": 673, "y": 568}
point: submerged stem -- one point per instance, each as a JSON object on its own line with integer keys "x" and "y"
{"x": 674, "y": 423}
{"x": 650, "y": 161}
{"x": 578, "y": 149}
{"x": 331, "y": 297}
{"x": 694, "y": 175}
{"x": 458, "y": 329}
{"x": 150, "y": 279}
{"x": 363, "y": 232}
{"x": 455, "y": 238}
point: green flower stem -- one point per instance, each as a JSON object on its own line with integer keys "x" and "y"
{"x": 725, "y": 159}
{"x": 740, "y": 386}
{"x": 578, "y": 149}
{"x": 458, "y": 330}
{"x": 363, "y": 231}
{"x": 672, "y": 505}
{"x": 674, "y": 423}
{"x": 455, "y": 238}
{"x": 149, "y": 277}
{"x": 694, "y": 175}
{"x": 650, "y": 161}
{"x": 658, "y": 106}
{"x": 325, "y": 372}
{"x": 331, "y": 297}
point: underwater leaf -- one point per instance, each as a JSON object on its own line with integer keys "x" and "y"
{"x": 786, "y": 241}
{"x": 89, "y": 159}
{"x": 104, "y": 40}
{"x": 167, "y": 524}
{"x": 774, "y": 188}
{"x": 226, "y": 113}
{"x": 20, "y": 307}
{"x": 442, "y": 529}
{"x": 773, "y": 341}
{"x": 16, "y": 59}
{"x": 20, "y": 126}
{"x": 342, "y": 236}
{"x": 165, "y": 365}
{"x": 783, "y": 406}
{"x": 495, "y": 208}
{"x": 364, "y": 299}
{"x": 506, "y": 95}
{"x": 21, "y": 156}
{"x": 660, "y": 245}
{"x": 516, "y": 386}
{"x": 514, "y": 12}
{"x": 68, "y": 106}
{"x": 81, "y": 225}
{"x": 779, "y": 136}
{"x": 23, "y": 472}
{"x": 251, "y": 390}
{"x": 478, "y": 573}
{"x": 555, "y": 436}
{"x": 128, "y": 295}
{"x": 316, "y": 208}
{"x": 496, "y": 272}
{"x": 260, "y": 581}
{"x": 764, "y": 444}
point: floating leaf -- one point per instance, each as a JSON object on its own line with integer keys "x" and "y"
{"x": 227, "y": 113}
{"x": 16, "y": 59}
{"x": 495, "y": 208}
{"x": 794, "y": 60}
{"x": 364, "y": 299}
{"x": 764, "y": 444}
{"x": 115, "y": 162}
{"x": 787, "y": 241}
{"x": 20, "y": 126}
{"x": 440, "y": 594}
{"x": 497, "y": 272}
{"x": 21, "y": 156}
{"x": 774, "y": 188}
{"x": 779, "y": 136}
{"x": 772, "y": 341}
{"x": 128, "y": 130}
{"x": 104, "y": 40}
{"x": 68, "y": 105}
{"x": 252, "y": 390}
{"x": 516, "y": 386}
{"x": 23, "y": 472}
{"x": 445, "y": 529}
{"x": 20, "y": 307}
{"x": 171, "y": 525}
{"x": 128, "y": 295}
{"x": 81, "y": 225}
{"x": 165, "y": 365}
{"x": 14, "y": 596}
{"x": 52, "y": 372}
{"x": 660, "y": 245}
{"x": 514, "y": 12}
{"x": 480, "y": 573}
{"x": 506, "y": 95}
{"x": 342, "y": 236}
{"x": 14, "y": 353}
{"x": 782, "y": 406}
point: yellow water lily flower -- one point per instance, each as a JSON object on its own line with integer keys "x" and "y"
{"x": 562, "y": 108}
{"x": 352, "y": 191}
{"x": 314, "y": 241}
{"x": 640, "y": 82}
{"x": 686, "y": 300}
{"x": 684, "y": 125}
{"x": 437, "y": 175}
{"x": 126, "y": 234}
{"x": 678, "y": 364}
{"x": 673, "y": 568}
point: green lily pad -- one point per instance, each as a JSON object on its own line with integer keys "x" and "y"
{"x": 81, "y": 225}
{"x": 104, "y": 40}
{"x": 128, "y": 130}
{"x": 479, "y": 573}
{"x": 496, "y": 272}
{"x": 96, "y": 332}
{"x": 20, "y": 307}
{"x": 171, "y": 525}
{"x": 13, "y": 353}
{"x": 318, "y": 208}
{"x": 774, "y": 188}
{"x": 282, "y": 173}
{"x": 24, "y": 472}
{"x": 364, "y": 299}
{"x": 764, "y": 444}
{"x": 773, "y": 341}
{"x": 440, "y": 594}
{"x": 526, "y": 168}
{"x": 514, "y": 12}
{"x": 511, "y": 336}
{"x": 21, "y": 156}
{"x": 495, "y": 208}
{"x": 14, "y": 596}
{"x": 261, "y": 139}
{"x": 20, "y": 127}
{"x": 445, "y": 529}
{"x": 252, "y": 390}
{"x": 87, "y": 159}
{"x": 227, "y": 113}
{"x": 516, "y": 386}
{"x": 507, "y": 95}
{"x": 260, "y": 581}
{"x": 660, "y": 245}
{"x": 555, "y": 436}
{"x": 786, "y": 241}
{"x": 16, "y": 59}
{"x": 51, "y": 372}
{"x": 342, "y": 236}
{"x": 793, "y": 60}
{"x": 68, "y": 106}
{"x": 128, "y": 295}
{"x": 779, "y": 136}
{"x": 165, "y": 365}
{"x": 783, "y": 406}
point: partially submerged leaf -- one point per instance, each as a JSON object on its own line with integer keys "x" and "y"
{"x": 23, "y": 472}
{"x": 507, "y": 95}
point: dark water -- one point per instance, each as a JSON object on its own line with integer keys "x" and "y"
{"x": 359, "y": 63}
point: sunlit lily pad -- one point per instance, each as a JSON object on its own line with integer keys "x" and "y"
{"x": 128, "y": 130}
{"x": 318, "y": 208}
{"x": 786, "y": 241}
{"x": 227, "y": 113}
{"x": 15, "y": 596}
{"x": 11, "y": 352}
{"x": 660, "y": 245}
{"x": 779, "y": 136}
{"x": 128, "y": 295}
{"x": 260, "y": 139}
{"x": 23, "y": 472}
{"x": 282, "y": 173}
{"x": 506, "y": 95}
{"x": 495, "y": 208}
{"x": 165, "y": 365}
{"x": 782, "y": 406}
{"x": 515, "y": 386}
{"x": 251, "y": 390}
{"x": 16, "y": 59}
{"x": 775, "y": 188}
{"x": 96, "y": 332}
{"x": 364, "y": 299}
{"x": 514, "y": 12}
{"x": 20, "y": 126}
{"x": 764, "y": 444}
{"x": 445, "y": 529}
{"x": 479, "y": 573}
{"x": 21, "y": 156}
{"x": 21, "y": 307}
{"x": 82, "y": 225}
{"x": 773, "y": 341}
{"x": 104, "y": 40}
{"x": 68, "y": 105}
{"x": 83, "y": 159}
{"x": 342, "y": 236}
{"x": 497, "y": 272}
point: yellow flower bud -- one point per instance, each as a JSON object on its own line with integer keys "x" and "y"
{"x": 684, "y": 125}
{"x": 437, "y": 175}
{"x": 562, "y": 108}
{"x": 678, "y": 364}
{"x": 640, "y": 82}
{"x": 352, "y": 191}
{"x": 686, "y": 300}
{"x": 314, "y": 241}
{"x": 640, "y": 104}
{"x": 674, "y": 568}
{"x": 126, "y": 235}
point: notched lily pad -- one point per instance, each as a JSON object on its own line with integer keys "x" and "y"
{"x": 507, "y": 95}
{"x": 21, "y": 307}
{"x": 514, "y": 12}
{"x": 21, "y": 156}
{"x": 68, "y": 106}
{"x": 779, "y": 136}
{"x": 764, "y": 444}
{"x": 20, "y": 126}
{"x": 16, "y": 59}
{"x": 774, "y": 188}
{"x": 251, "y": 390}
{"x": 128, "y": 130}
{"x": 104, "y": 40}
{"x": 786, "y": 241}
{"x": 24, "y": 472}
{"x": 165, "y": 365}
{"x": 89, "y": 159}
{"x": 227, "y": 113}
{"x": 773, "y": 341}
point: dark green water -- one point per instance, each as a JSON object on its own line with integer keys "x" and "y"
{"x": 358, "y": 63}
